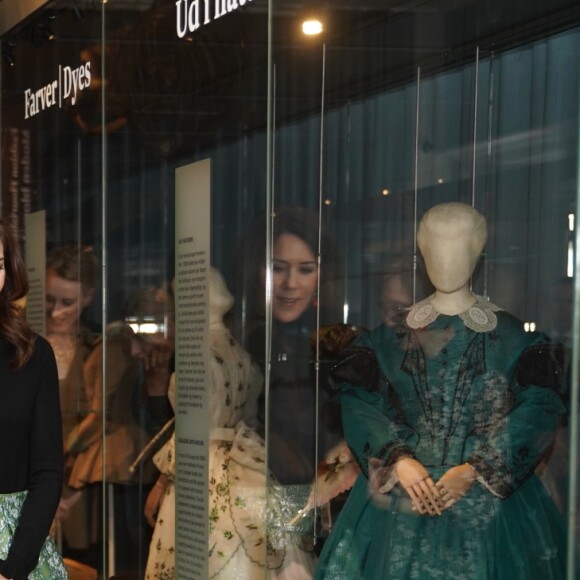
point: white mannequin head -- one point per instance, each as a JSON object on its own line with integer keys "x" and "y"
{"x": 451, "y": 237}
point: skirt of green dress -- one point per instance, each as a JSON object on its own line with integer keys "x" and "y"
{"x": 50, "y": 565}
{"x": 480, "y": 538}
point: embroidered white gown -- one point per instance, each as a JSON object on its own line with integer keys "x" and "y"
{"x": 248, "y": 536}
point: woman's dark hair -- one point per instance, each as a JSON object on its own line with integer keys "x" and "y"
{"x": 75, "y": 263}
{"x": 13, "y": 326}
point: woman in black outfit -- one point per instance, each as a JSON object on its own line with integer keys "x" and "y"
{"x": 30, "y": 432}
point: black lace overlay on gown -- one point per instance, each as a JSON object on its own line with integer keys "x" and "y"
{"x": 544, "y": 365}
{"x": 471, "y": 365}
{"x": 358, "y": 366}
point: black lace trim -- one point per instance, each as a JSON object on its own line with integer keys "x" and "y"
{"x": 394, "y": 451}
{"x": 544, "y": 365}
{"x": 499, "y": 478}
{"x": 359, "y": 367}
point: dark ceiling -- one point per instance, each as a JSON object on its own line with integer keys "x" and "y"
{"x": 213, "y": 85}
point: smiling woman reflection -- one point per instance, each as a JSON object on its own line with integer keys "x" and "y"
{"x": 293, "y": 426}
{"x": 295, "y": 278}
{"x": 70, "y": 282}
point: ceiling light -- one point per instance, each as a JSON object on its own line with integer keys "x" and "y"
{"x": 312, "y": 27}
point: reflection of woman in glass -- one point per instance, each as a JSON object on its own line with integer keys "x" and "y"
{"x": 449, "y": 440}
{"x": 70, "y": 286}
{"x": 120, "y": 392}
{"x": 30, "y": 432}
{"x": 295, "y": 306}
{"x": 70, "y": 283}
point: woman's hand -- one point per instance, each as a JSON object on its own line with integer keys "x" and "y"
{"x": 157, "y": 371}
{"x": 154, "y": 500}
{"x": 416, "y": 481}
{"x": 455, "y": 483}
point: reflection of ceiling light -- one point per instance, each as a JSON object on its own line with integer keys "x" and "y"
{"x": 8, "y": 56}
{"x": 145, "y": 325}
{"x": 386, "y": 191}
{"x": 48, "y": 33}
{"x": 327, "y": 202}
{"x": 440, "y": 181}
{"x": 312, "y": 27}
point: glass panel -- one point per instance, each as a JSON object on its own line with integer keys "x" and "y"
{"x": 325, "y": 152}
{"x": 52, "y": 165}
{"x": 386, "y": 114}
{"x": 178, "y": 94}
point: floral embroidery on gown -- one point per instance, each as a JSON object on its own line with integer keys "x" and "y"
{"x": 248, "y": 513}
{"x": 469, "y": 388}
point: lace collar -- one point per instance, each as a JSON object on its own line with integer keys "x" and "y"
{"x": 479, "y": 317}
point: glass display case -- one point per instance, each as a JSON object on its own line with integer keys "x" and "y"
{"x": 219, "y": 203}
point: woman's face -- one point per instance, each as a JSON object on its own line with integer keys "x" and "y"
{"x": 294, "y": 279}
{"x": 65, "y": 300}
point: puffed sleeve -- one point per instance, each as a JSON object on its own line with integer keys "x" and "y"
{"x": 374, "y": 427}
{"x": 45, "y": 470}
{"x": 507, "y": 453}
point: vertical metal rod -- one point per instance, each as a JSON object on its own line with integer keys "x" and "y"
{"x": 473, "y": 159}
{"x": 319, "y": 261}
{"x": 490, "y": 104}
{"x": 108, "y": 554}
{"x": 475, "y": 103}
{"x": 574, "y": 404}
{"x": 417, "y": 118}
{"x": 271, "y": 79}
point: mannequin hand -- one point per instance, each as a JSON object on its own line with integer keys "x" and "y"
{"x": 415, "y": 480}
{"x": 154, "y": 500}
{"x": 455, "y": 483}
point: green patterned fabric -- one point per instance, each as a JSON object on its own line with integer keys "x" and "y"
{"x": 50, "y": 565}
{"x": 452, "y": 395}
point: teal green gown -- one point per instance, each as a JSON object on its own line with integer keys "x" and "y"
{"x": 471, "y": 388}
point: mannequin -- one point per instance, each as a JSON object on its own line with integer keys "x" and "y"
{"x": 241, "y": 505}
{"x": 450, "y": 238}
{"x": 448, "y": 441}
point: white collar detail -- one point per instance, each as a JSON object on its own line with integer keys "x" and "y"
{"x": 479, "y": 317}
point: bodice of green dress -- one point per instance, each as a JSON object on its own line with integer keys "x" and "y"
{"x": 451, "y": 396}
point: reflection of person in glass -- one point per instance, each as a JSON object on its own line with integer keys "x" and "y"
{"x": 244, "y": 506}
{"x": 31, "y": 434}
{"x": 295, "y": 302}
{"x": 449, "y": 440}
{"x": 555, "y": 465}
{"x": 70, "y": 283}
{"x": 137, "y": 349}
